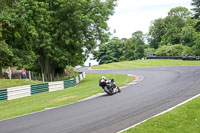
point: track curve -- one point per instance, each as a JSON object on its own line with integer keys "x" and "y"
{"x": 162, "y": 88}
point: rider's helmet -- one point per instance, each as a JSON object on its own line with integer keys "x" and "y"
{"x": 103, "y": 77}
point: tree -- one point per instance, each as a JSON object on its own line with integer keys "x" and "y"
{"x": 196, "y": 9}
{"x": 138, "y": 37}
{"x": 110, "y": 52}
{"x": 129, "y": 49}
{"x": 55, "y": 32}
{"x": 6, "y": 56}
{"x": 188, "y": 36}
{"x": 175, "y": 21}
{"x": 176, "y": 28}
{"x": 156, "y": 31}
{"x": 7, "y": 5}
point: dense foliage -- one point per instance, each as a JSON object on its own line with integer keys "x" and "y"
{"x": 55, "y": 33}
{"x": 121, "y": 49}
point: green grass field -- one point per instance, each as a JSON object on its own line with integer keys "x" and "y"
{"x": 87, "y": 87}
{"x": 145, "y": 63}
{"x": 7, "y": 83}
{"x": 183, "y": 119}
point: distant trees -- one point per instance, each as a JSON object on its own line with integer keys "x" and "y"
{"x": 138, "y": 38}
{"x": 156, "y": 33}
{"x": 110, "y": 51}
{"x": 178, "y": 28}
{"x": 169, "y": 30}
{"x": 175, "y": 35}
{"x": 121, "y": 49}
{"x": 196, "y": 9}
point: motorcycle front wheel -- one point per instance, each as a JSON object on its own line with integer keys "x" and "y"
{"x": 107, "y": 90}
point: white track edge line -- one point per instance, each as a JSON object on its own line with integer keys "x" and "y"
{"x": 160, "y": 113}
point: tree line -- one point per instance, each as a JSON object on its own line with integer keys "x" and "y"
{"x": 47, "y": 35}
{"x": 178, "y": 34}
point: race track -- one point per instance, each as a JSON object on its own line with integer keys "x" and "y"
{"x": 162, "y": 88}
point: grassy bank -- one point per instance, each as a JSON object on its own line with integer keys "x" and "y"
{"x": 145, "y": 63}
{"x": 183, "y": 119}
{"x": 87, "y": 87}
{"x": 7, "y": 83}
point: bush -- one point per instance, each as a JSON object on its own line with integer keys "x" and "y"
{"x": 149, "y": 51}
{"x": 174, "y": 50}
{"x": 69, "y": 71}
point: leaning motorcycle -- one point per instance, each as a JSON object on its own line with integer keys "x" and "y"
{"x": 109, "y": 86}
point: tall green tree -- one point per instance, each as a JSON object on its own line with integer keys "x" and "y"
{"x": 196, "y": 9}
{"x": 188, "y": 36}
{"x": 110, "y": 52}
{"x": 138, "y": 36}
{"x": 176, "y": 28}
{"x": 156, "y": 31}
{"x": 175, "y": 21}
{"x": 129, "y": 51}
{"x": 6, "y": 56}
{"x": 58, "y": 33}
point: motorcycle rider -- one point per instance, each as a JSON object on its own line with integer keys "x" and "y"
{"x": 103, "y": 81}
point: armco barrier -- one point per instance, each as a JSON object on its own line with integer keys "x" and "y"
{"x": 28, "y": 90}
{"x": 69, "y": 83}
{"x": 3, "y": 95}
{"x": 39, "y": 88}
{"x": 77, "y": 80}
{"x": 17, "y": 92}
{"x": 175, "y": 57}
{"x": 166, "y": 57}
{"x": 54, "y": 86}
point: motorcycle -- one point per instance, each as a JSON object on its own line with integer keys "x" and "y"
{"x": 109, "y": 86}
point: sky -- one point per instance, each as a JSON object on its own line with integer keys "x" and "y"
{"x": 133, "y": 15}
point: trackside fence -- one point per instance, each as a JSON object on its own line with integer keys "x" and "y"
{"x": 175, "y": 57}
{"x": 3, "y": 95}
{"x": 28, "y": 90}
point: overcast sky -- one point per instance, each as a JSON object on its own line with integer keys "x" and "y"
{"x": 133, "y": 15}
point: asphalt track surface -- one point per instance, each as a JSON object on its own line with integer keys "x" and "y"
{"x": 162, "y": 88}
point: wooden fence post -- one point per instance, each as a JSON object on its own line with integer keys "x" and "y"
{"x": 29, "y": 75}
{"x": 43, "y": 77}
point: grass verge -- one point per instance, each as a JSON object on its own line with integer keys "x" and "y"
{"x": 145, "y": 63}
{"x": 87, "y": 87}
{"x": 7, "y": 83}
{"x": 183, "y": 119}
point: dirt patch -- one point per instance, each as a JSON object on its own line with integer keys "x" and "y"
{"x": 62, "y": 99}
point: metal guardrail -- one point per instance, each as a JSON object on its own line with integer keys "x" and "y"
{"x": 19, "y": 91}
{"x": 28, "y": 90}
{"x": 39, "y": 88}
{"x": 69, "y": 83}
{"x": 3, "y": 95}
{"x": 175, "y": 57}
